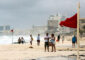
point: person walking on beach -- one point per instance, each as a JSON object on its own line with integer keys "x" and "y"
{"x": 46, "y": 42}
{"x": 58, "y": 38}
{"x": 19, "y": 40}
{"x": 38, "y": 39}
{"x": 74, "y": 40}
{"x": 31, "y": 39}
{"x": 53, "y": 43}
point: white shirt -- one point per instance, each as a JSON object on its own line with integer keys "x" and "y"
{"x": 38, "y": 38}
{"x": 46, "y": 38}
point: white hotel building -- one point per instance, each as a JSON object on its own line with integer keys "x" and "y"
{"x": 54, "y": 27}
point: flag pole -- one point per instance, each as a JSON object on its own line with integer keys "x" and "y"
{"x": 12, "y": 31}
{"x": 78, "y": 38}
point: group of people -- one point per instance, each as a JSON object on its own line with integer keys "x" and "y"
{"x": 21, "y": 40}
{"x": 38, "y": 39}
{"x": 48, "y": 41}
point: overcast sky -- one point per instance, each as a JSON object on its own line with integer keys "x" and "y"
{"x": 26, "y": 13}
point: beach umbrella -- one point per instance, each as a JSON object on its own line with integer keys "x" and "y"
{"x": 70, "y": 22}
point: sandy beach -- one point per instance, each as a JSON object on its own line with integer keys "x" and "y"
{"x": 23, "y": 52}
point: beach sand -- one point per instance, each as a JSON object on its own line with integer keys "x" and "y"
{"x": 23, "y": 52}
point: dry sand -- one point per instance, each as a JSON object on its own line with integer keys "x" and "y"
{"x": 23, "y": 52}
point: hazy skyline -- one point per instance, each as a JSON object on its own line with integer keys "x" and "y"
{"x": 25, "y": 13}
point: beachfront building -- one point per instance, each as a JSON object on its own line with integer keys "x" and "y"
{"x": 82, "y": 26}
{"x": 34, "y": 30}
{"x": 5, "y": 29}
{"x": 54, "y": 27}
{"x": 38, "y": 30}
{"x": 21, "y": 31}
{"x": 53, "y": 23}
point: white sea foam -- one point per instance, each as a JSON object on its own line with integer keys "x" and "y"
{"x": 8, "y": 39}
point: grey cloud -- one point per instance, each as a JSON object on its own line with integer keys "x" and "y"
{"x": 25, "y": 13}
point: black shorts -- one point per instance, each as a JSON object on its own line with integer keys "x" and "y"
{"x": 38, "y": 40}
{"x": 46, "y": 44}
{"x": 73, "y": 42}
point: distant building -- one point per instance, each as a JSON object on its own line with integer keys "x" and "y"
{"x": 8, "y": 27}
{"x": 53, "y": 23}
{"x": 5, "y": 29}
{"x": 82, "y": 26}
{"x": 1, "y": 28}
{"x": 38, "y": 30}
{"x": 54, "y": 27}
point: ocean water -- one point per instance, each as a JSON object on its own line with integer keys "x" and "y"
{"x": 8, "y": 39}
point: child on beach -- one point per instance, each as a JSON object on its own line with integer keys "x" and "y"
{"x": 53, "y": 43}
{"x": 46, "y": 42}
{"x": 38, "y": 39}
